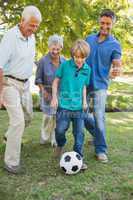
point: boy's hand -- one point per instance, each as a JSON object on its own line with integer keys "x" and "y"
{"x": 85, "y": 106}
{"x": 54, "y": 103}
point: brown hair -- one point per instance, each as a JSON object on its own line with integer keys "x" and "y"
{"x": 82, "y": 46}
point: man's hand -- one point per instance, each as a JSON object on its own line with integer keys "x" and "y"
{"x": 116, "y": 69}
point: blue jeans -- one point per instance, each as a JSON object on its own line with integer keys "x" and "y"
{"x": 95, "y": 123}
{"x": 63, "y": 119}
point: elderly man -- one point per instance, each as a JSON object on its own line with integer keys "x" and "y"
{"x": 45, "y": 75}
{"x": 17, "y": 51}
{"x": 105, "y": 52}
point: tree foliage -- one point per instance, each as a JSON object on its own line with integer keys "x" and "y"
{"x": 71, "y": 18}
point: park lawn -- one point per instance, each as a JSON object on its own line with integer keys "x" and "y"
{"x": 43, "y": 180}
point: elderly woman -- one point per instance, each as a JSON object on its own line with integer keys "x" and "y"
{"x": 45, "y": 75}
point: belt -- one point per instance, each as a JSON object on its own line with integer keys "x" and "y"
{"x": 18, "y": 79}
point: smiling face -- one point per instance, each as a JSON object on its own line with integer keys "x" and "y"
{"x": 55, "y": 50}
{"x": 28, "y": 27}
{"x": 106, "y": 24}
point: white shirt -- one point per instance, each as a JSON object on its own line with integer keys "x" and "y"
{"x": 17, "y": 54}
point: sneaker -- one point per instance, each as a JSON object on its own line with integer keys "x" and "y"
{"x": 12, "y": 169}
{"x": 42, "y": 141}
{"x": 84, "y": 166}
{"x": 90, "y": 142}
{"x": 102, "y": 157}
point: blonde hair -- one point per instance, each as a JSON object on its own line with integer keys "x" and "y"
{"x": 82, "y": 46}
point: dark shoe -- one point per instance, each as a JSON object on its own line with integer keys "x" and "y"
{"x": 4, "y": 139}
{"x": 90, "y": 142}
{"x": 13, "y": 169}
{"x": 84, "y": 166}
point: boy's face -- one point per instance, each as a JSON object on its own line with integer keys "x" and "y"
{"x": 79, "y": 59}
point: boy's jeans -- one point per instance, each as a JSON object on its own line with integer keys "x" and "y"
{"x": 95, "y": 123}
{"x": 63, "y": 119}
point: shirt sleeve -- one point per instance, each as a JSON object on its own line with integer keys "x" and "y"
{"x": 116, "y": 53}
{"x": 5, "y": 50}
{"x": 40, "y": 73}
{"x": 87, "y": 82}
{"x": 59, "y": 71}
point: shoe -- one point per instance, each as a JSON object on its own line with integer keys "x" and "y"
{"x": 53, "y": 144}
{"x": 90, "y": 142}
{"x": 42, "y": 141}
{"x": 4, "y": 139}
{"x": 12, "y": 169}
{"x": 84, "y": 166}
{"x": 58, "y": 152}
{"x": 102, "y": 157}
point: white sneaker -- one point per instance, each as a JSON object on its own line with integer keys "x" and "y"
{"x": 102, "y": 157}
{"x": 42, "y": 141}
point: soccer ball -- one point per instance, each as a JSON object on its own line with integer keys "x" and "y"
{"x": 71, "y": 162}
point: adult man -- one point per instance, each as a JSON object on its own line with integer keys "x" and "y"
{"x": 105, "y": 52}
{"x": 17, "y": 51}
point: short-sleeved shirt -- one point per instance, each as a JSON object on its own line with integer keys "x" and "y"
{"x": 17, "y": 53}
{"x": 100, "y": 59}
{"x": 72, "y": 81}
{"x": 45, "y": 75}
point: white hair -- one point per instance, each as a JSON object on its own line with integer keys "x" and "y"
{"x": 55, "y": 39}
{"x": 31, "y": 11}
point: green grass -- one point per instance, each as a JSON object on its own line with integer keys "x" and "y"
{"x": 43, "y": 180}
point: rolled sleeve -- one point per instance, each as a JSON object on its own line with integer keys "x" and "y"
{"x": 117, "y": 52}
{"x": 39, "y": 73}
{"x": 87, "y": 82}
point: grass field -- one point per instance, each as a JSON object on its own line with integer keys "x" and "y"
{"x": 43, "y": 180}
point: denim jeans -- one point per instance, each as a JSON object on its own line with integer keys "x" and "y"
{"x": 95, "y": 123}
{"x": 63, "y": 119}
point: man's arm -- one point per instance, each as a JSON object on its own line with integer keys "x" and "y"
{"x": 116, "y": 68}
{"x": 1, "y": 85}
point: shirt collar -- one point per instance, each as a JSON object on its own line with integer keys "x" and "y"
{"x": 19, "y": 34}
{"x": 107, "y": 38}
{"x": 50, "y": 60}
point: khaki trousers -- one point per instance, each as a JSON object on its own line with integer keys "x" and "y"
{"x": 48, "y": 129}
{"x": 18, "y": 102}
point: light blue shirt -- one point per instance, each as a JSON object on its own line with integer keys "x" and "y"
{"x": 17, "y": 54}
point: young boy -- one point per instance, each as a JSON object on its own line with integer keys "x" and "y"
{"x": 70, "y": 85}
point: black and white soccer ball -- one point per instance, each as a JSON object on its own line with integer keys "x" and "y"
{"x": 71, "y": 162}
